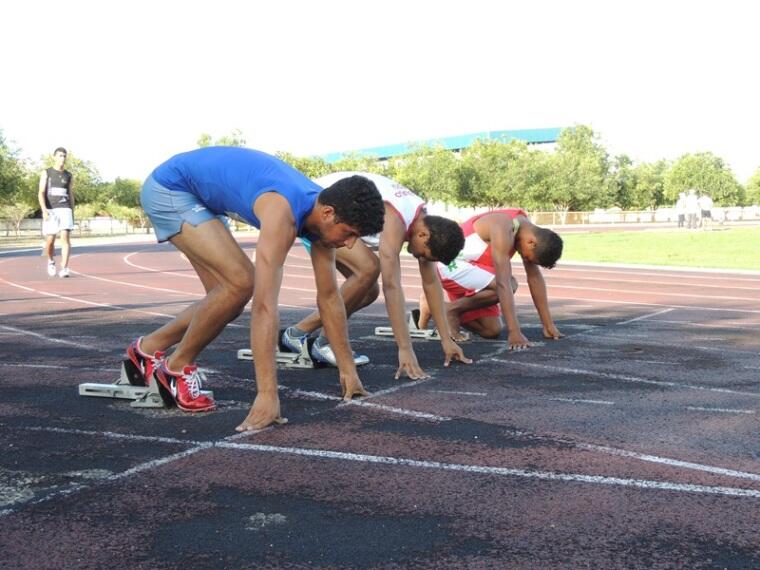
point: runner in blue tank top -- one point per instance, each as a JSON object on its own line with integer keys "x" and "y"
{"x": 184, "y": 198}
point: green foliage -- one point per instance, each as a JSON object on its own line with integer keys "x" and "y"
{"x": 493, "y": 173}
{"x": 648, "y": 190}
{"x": 431, "y": 171}
{"x": 358, "y": 163}
{"x": 704, "y": 172}
{"x": 313, "y": 166}
{"x": 577, "y": 172}
{"x": 753, "y": 189}
{"x": 13, "y": 173}
{"x": 234, "y": 138}
{"x": 125, "y": 192}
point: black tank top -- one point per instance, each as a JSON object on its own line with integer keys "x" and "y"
{"x": 58, "y": 187}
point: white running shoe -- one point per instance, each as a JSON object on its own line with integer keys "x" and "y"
{"x": 51, "y": 268}
{"x": 325, "y": 355}
{"x": 64, "y": 272}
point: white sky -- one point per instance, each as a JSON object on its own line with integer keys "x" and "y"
{"x": 126, "y": 85}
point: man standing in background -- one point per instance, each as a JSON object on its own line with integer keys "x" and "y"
{"x": 705, "y": 206}
{"x": 56, "y": 197}
{"x": 681, "y": 208}
{"x": 692, "y": 209}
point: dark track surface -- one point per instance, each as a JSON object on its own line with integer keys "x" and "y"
{"x": 632, "y": 443}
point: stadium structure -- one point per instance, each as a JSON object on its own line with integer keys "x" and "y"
{"x": 542, "y": 137}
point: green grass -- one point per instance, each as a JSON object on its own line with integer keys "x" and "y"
{"x": 730, "y": 248}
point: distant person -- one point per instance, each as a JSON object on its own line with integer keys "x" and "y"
{"x": 692, "y": 209}
{"x": 480, "y": 284}
{"x": 429, "y": 238}
{"x": 681, "y": 208}
{"x": 183, "y": 198}
{"x": 56, "y": 197}
{"x": 705, "y": 207}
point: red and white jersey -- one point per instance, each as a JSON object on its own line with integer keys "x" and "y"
{"x": 477, "y": 251}
{"x": 403, "y": 201}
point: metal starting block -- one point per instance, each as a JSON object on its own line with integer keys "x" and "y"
{"x": 414, "y": 330}
{"x": 130, "y": 386}
{"x": 286, "y": 359}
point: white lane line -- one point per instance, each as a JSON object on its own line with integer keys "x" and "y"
{"x": 642, "y": 304}
{"x": 719, "y": 410}
{"x": 725, "y": 325}
{"x": 642, "y": 317}
{"x": 577, "y": 401}
{"x": 457, "y": 393}
{"x": 394, "y": 410}
{"x": 53, "y": 340}
{"x": 499, "y": 471}
{"x": 703, "y": 272}
{"x": 624, "y": 377}
{"x": 667, "y": 461}
{"x": 364, "y": 404}
{"x": 662, "y": 293}
{"x": 113, "y": 371}
{"x": 680, "y": 283}
{"x": 131, "y": 284}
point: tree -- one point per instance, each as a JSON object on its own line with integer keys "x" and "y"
{"x": 313, "y": 166}
{"x": 430, "y": 172}
{"x": 13, "y": 173}
{"x": 704, "y": 172}
{"x": 649, "y": 182}
{"x": 234, "y": 138}
{"x": 577, "y": 172}
{"x": 753, "y": 189}
{"x": 623, "y": 181}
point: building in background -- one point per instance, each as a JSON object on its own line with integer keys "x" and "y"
{"x": 543, "y": 137}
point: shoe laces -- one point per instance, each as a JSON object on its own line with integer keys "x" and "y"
{"x": 195, "y": 382}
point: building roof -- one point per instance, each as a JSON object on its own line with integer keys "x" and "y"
{"x": 530, "y": 136}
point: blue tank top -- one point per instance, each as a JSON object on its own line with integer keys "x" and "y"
{"x": 228, "y": 180}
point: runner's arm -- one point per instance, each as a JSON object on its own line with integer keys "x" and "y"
{"x": 537, "y": 287}
{"x": 332, "y": 309}
{"x": 41, "y": 193}
{"x": 391, "y": 241}
{"x": 502, "y": 238}
{"x": 277, "y": 234}
{"x": 431, "y": 284}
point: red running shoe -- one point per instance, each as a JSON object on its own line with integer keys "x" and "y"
{"x": 144, "y": 363}
{"x": 184, "y": 388}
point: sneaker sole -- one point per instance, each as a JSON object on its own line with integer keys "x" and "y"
{"x": 164, "y": 391}
{"x": 134, "y": 374}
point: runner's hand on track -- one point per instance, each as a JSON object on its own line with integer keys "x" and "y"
{"x": 351, "y": 386}
{"x": 453, "y": 351}
{"x": 517, "y": 341}
{"x": 552, "y": 332}
{"x": 407, "y": 363}
{"x": 265, "y": 411}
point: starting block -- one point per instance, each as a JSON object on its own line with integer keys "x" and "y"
{"x": 414, "y": 330}
{"x": 287, "y": 359}
{"x": 130, "y": 386}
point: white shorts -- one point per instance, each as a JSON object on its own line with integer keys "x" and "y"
{"x": 59, "y": 219}
{"x": 464, "y": 277}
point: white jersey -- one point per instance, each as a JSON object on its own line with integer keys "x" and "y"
{"x": 403, "y": 201}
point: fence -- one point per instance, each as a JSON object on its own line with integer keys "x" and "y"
{"x": 601, "y": 216}
{"x": 104, "y": 225}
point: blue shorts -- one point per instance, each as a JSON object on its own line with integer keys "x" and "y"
{"x": 306, "y": 244}
{"x": 168, "y": 209}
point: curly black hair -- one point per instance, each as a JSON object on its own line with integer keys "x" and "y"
{"x": 446, "y": 238}
{"x": 356, "y": 202}
{"x": 548, "y": 247}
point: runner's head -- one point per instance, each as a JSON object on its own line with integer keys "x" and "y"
{"x": 436, "y": 239}
{"x": 59, "y": 157}
{"x": 351, "y": 208}
{"x": 539, "y": 245}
